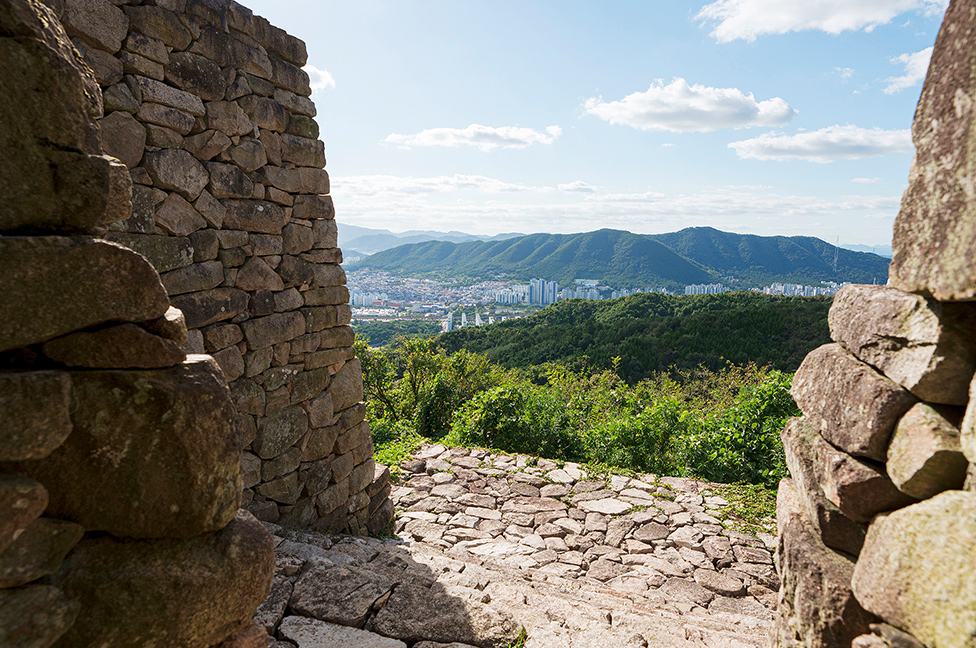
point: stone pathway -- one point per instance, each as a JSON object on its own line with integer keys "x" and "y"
{"x": 490, "y": 544}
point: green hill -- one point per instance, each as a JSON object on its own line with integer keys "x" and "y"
{"x": 653, "y": 332}
{"x": 624, "y": 260}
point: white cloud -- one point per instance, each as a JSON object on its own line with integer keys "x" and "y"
{"x": 845, "y": 73}
{"x": 746, "y": 19}
{"x": 388, "y": 185}
{"x": 578, "y": 187}
{"x": 319, "y": 79}
{"x": 483, "y": 138}
{"x": 865, "y": 180}
{"x": 680, "y": 107}
{"x": 826, "y": 145}
{"x": 916, "y": 65}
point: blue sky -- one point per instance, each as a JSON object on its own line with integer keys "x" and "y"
{"x": 753, "y": 116}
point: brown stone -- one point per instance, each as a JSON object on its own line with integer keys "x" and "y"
{"x": 231, "y": 362}
{"x": 35, "y": 616}
{"x": 279, "y": 431}
{"x": 208, "y": 144}
{"x": 98, "y": 22}
{"x": 329, "y": 275}
{"x": 123, "y": 137}
{"x": 53, "y": 285}
{"x": 317, "y": 207}
{"x": 173, "y": 118}
{"x": 343, "y": 595}
{"x": 35, "y": 408}
{"x": 150, "y": 48}
{"x": 314, "y": 180}
{"x": 280, "y": 43}
{"x": 817, "y": 607}
{"x": 347, "y": 385}
{"x": 915, "y": 570}
{"x": 228, "y": 118}
{"x": 162, "y": 137}
{"x": 22, "y": 500}
{"x": 255, "y": 216}
{"x": 136, "y": 64}
{"x": 153, "y": 91}
{"x": 178, "y": 217}
{"x": 192, "y": 592}
{"x": 176, "y": 170}
{"x": 228, "y": 181}
{"x": 124, "y": 346}
{"x": 119, "y": 97}
{"x": 273, "y": 329}
{"x": 329, "y": 296}
{"x": 295, "y": 103}
{"x": 303, "y": 126}
{"x": 853, "y": 406}
{"x": 925, "y": 456}
{"x": 266, "y": 113}
{"x": 252, "y": 636}
{"x": 287, "y": 180}
{"x": 935, "y": 232}
{"x": 172, "y": 326}
{"x": 211, "y": 210}
{"x": 161, "y": 24}
{"x": 197, "y": 75}
{"x": 925, "y": 346}
{"x": 302, "y": 151}
{"x": 257, "y": 275}
{"x": 164, "y": 252}
{"x": 165, "y": 464}
{"x": 249, "y": 155}
{"x": 211, "y": 306}
{"x": 106, "y": 68}
{"x": 37, "y": 551}
{"x": 194, "y": 278}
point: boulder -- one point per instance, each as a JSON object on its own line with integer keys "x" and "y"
{"x": 312, "y": 633}
{"x": 167, "y": 592}
{"x": 211, "y": 306}
{"x": 38, "y": 551}
{"x": 35, "y": 616}
{"x": 925, "y": 456}
{"x": 50, "y": 286}
{"x": 123, "y": 137}
{"x": 935, "y": 231}
{"x": 916, "y": 570}
{"x": 153, "y": 453}
{"x": 343, "y": 595}
{"x": 852, "y": 405}
{"x": 925, "y": 346}
{"x": 22, "y": 500}
{"x": 279, "y": 431}
{"x": 34, "y": 406}
{"x": 176, "y": 170}
{"x": 817, "y": 607}
{"x": 98, "y": 22}
{"x": 126, "y": 346}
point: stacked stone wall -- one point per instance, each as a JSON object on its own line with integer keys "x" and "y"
{"x": 207, "y": 106}
{"x": 120, "y": 461}
{"x": 877, "y": 526}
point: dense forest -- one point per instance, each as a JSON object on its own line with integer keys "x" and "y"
{"x": 650, "y": 333}
{"x": 378, "y": 334}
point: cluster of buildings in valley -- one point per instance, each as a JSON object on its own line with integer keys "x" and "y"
{"x": 789, "y": 290}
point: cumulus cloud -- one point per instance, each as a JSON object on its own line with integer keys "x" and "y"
{"x": 681, "y": 107}
{"x": 747, "y": 19}
{"x": 865, "y": 180}
{"x": 483, "y": 138}
{"x": 319, "y": 79}
{"x": 845, "y": 73}
{"x": 916, "y": 65}
{"x": 578, "y": 187}
{"x": 388, "y": 185}
{"x": 826, "y": 145}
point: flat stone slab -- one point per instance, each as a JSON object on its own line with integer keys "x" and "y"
{"x": 311, "y": 633}
{"x": 609, "y": 506}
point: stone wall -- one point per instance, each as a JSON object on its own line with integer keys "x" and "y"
{"x": 120, "y": 473}
{"x": 208, "y": 107}
{"x": 877, "y": 527}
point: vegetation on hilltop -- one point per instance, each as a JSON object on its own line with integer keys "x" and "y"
{"x": 652, "y": 332}
{"x": 382, "y": 333}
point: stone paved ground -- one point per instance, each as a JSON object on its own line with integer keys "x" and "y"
{"x": 488, "y": 544}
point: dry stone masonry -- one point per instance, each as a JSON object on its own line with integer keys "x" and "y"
{"x": 120, "y": 478}
{"x": 207, "y": 107}
{"x": 877, "y": 526}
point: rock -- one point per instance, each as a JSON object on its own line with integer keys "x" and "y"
{"x": 161, "y": 24}
{"x": 35, "y": 616}
{"x": 266, "y": 113}
{"x": 38, "y": 551}
{"x": 208, "y": 144}
{"x": 935, "y": 229}
{"x": 719, "y": 583}
{"x": 252, "y": 636}
{"x": 925, "y": 346}
{"x": 163, "y": 252}
{"x": 171, "y": 326}
{"x": 228, "y": 181}
{"x": 347, "y": 385}
{"x": 255, "y": 216}
{"x": 816, "y": 603}
{"x": 747, "y": 606}
{"x": 178, "y": 217}
{"x": 194, "y": 278}
{"x": 603, "y": 570}
{"x": 852, "y": 405}
{"x": 272, "y": 609}
{"x": 416, "y": 613}
{"x": 125, "y": 346}
{"x": 98, "y": 22}
{"x": 35, "y": 409}
{"x": 164, "y": 463}
{"x": 915, "y": 570}
{"x": 176, "y": 170}
{"x": 228, "y": 118}
{"x": 835, "y": 529}
{"x": 606, "y": 506}
{"x": 123, "y": 137}
{"x": 173, "y": 119}
{"x": 196, "y": 75}
{"x": 249, "y": 155}
{"x": 688, "y": 590}
{"x": 273, "y": 329}
{"x": 343, "y": 595}
{"x": 967, "y": 433}
{"x": 311, "y": 633}
{"x": 192, "y": 592}
{"x": 22, "y": 500}
{"x": 255, "y": 274}
{"x": 925, "y": 456}
{"x": 211, "y": 306}
{"x": 279, "y": 431}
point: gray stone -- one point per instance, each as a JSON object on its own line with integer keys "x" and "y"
{"x": 194, "y": 278}
{"x": 35, "y": 616}
{"x": 935, "y": 232}
{"x": 925, "y": 346}
{"x": 106, "y": 68}
{"x": 688, "y": 590}
{"x": 266, "y": 113}
{"x": 915, "y": 570}
{"x": 228, "y": 181}
{"x": 651, "y": 531}
{"x": 176, "y": 120}
{"x": 852, "y": 405}
{"x": 271, "y": 611}
{"x": 211, "y": 306}
{"x": 98, "y": 22}
{"x": 22, "y": 500}
{"x": 279, "y": 431}
{"x": 161, "y": 24}
{"x": 37, "y": 551}
{"x": 35, "y": 407}
{"x": 54, "y": 285}
{"x": 255, "y": 216}
{"x": 267, "y": 331}
{"x": 925, "y": 456}
{"x": 311, "y": 633}
{"x": 208, "y": 144}
{"x": 123, "y": 137}
{"x": 176, "y": 170}
{"x": 125, "y": 346}
{"x": 249, "y": 155}
{"x": 302, "y": 151}
{"x": 228, "y": 118}
{"x": 163, "y": 252}
{"x": 817, "y": 606}
{"x": 719, "y": 583}
{"x": 191, "y": 592}
{"x": 197, "y": 75}
{"x": 347, "y": 385}
{"x": 343, "y": 595}
{"x": 255, "y": 274}
{"x": 165, "y": 464}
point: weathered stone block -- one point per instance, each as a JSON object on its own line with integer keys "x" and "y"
{"x": 925, "y": 346}
{"x": 161, "y": 24}
{"x": 166, "y": 462}
{"x": 343, "y": 595}
{"x": 329, "y": 275}
{"x": 817, "y": 607}
{"x": 35, "y": 616}
{"x": 256, "y": 274}
{"x": 852, "y": 405}
{"x": 295, "y": 103}
{"x": 35, "y": 409}
{"x": 284, "y": 490}
{"x": 106, "y": 68}
{"x": 176, "y": 170}
{"x": 125, "y": 346}
{"x": 228, "y": 181}
{"x": 835, "y": 529}
{"x": 22, "y": 500}
{"x": 330, "y": 296}
{"x": 317, "y": 207}
{"x": 915, "y": 570}
{"x": 273, "y": 329}
{"x": 302, "y": 151}
{"x": 211, "y": 306}
{"x": 925, "y": 456}
{"x": 177, "y": 120}
{"x": 197, "y": 75}
{"x": 208, "y": 144}
{"x": 52, "y": 285}
{"x": 309, "y": 633}
{"x": 123, "y": 137}
{"x": 280, "y": 431}
{"x": 164, "y": 252}
{"x": 231, "y": 362}
{"x": 228, "y": 118}
{"x": 178, "y": 217}
{"x": 249, "y": 155}
{"x": 192, "y": 592}
{"x": 279, "y": 43}
{"x": 255, "y": 216}
{"x": 38, "y": 551}
{"x": 193, "y": 278}
{"x": 347, "y": 385}
{"x": 266, "y": 113}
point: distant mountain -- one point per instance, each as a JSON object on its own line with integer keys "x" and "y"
{"x": 370, "y": 241}
{"x": 880, "y": 250}
{"x": 625, "y": 260}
